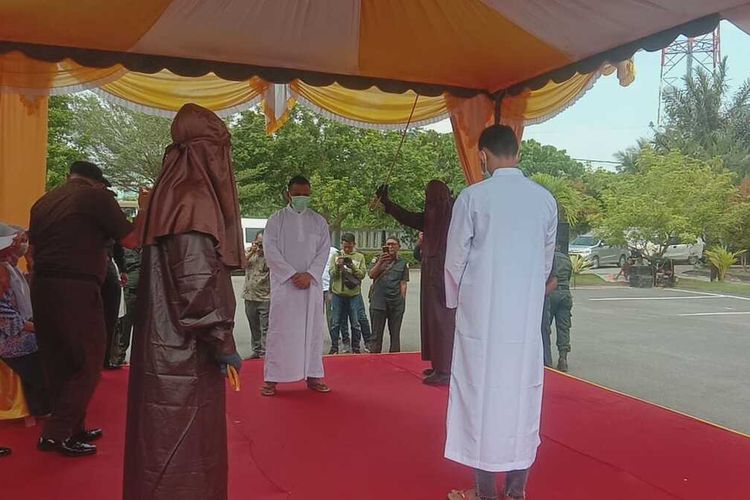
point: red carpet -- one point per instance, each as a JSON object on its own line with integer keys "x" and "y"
{"x": 380, "y": 435}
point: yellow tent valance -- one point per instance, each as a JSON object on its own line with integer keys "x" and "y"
{"x": 164, "y": 92}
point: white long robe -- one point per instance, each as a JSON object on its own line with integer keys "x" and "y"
{"x": 500, "y": 248}
{"x": 295, "y": 243}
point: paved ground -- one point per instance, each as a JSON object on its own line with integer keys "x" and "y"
{"x": 684, "y": 350}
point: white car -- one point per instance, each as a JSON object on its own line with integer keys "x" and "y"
{"x": 685, "y": 252}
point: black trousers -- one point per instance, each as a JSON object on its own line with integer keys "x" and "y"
{"x": 69, "y": 322}
{"x": 29, "y": 369}
{"x": 111, "y": 294}
{"x": 393, "y": 315}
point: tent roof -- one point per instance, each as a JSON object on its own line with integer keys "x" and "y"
{"x": 429, "y": 46}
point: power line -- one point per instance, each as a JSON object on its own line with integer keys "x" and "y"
{"x": 585, "y": 160}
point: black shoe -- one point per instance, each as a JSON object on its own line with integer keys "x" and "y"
{"x": 438, "y": 379}
{"x": 68, "y": 447}
{"x": 427, "y": 372}
{"x": 88, "y": 435}
{"x": 4, "y": 452}
{"x": 333, "y": 351}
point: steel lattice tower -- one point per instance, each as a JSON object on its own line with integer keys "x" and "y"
{"x": 686, "y": 55}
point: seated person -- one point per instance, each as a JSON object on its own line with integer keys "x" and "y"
{"x": 18, "y": 346}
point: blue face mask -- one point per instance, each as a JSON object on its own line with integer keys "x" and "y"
{"x": 300, "y": 203}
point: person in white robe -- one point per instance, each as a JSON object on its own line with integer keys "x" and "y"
{"x": 297, "y": 244}
{"x": 501, "y": 244}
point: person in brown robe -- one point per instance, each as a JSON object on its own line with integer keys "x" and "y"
{"x": 176, "y": 437}
{"x": 437, "y": 321}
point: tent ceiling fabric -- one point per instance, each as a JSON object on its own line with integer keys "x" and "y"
{"x": 429, "y": 46}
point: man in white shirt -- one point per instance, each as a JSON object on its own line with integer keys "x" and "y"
{"x": 501, "y": 244}
{"x": 297, "y": 244}
{"x": 327, "y": 289}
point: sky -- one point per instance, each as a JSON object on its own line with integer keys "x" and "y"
{"x": 609, "y": 118}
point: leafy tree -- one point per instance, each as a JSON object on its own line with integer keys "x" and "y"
{"x": 628, "y": 158}
{"x": 669, "y": 196}
{"x": 129, "y": 146}
{"x": 703, "y": 121}
{"x": 61, "y": 148}
{"x": 345, "y": 165}
{"x": 570, "y": 201}
{"x": 545, "y": 159}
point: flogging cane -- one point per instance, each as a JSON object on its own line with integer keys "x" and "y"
{"x": 375, "y": 203}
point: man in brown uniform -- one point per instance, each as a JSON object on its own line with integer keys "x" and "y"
{"x": 69, "y": 230}
{"x": 437, "y": 321}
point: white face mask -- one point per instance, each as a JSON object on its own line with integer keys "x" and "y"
{"x": 299, "y": 203}
{"x": 483, "y": 165}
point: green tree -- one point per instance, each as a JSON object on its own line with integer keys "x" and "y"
{"x": 546, "y": 159}
{"x": 61, "y": 147}
{"x": 570, "y": 201}
{"x": 669, "y": 196}
{"x": 703, "y": 121}
{"x": 345, "y": 165}
{"x": 129, "y": 146}
{"x": 628, "y": 158}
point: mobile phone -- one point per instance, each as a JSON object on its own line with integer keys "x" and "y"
{"x": 386, "y": 249}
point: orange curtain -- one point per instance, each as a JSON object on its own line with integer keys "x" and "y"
{"x": 12, "y": 401}
{"x": 23, "y": 155}
{"x": 469, "y": 117}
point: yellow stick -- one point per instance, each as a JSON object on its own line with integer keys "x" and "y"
{"x": 234, "y": 378}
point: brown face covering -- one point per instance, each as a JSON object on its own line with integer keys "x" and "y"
{"x": 196, "y": 189}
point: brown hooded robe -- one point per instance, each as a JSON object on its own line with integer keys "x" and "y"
{"x": 437, "y": 321}
{"x": 176, "y": 441}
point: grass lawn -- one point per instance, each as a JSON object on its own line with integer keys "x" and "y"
{"x": 590, "y": 279}
{"x": 731, "y": 288}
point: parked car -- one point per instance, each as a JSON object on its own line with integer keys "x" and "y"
{"x": 685, "y": 252}
{"x": 597, "y": 252}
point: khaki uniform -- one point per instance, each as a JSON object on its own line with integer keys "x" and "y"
{"x": 558, "y": 306}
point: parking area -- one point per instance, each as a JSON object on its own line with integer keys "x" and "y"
{"x": 689, "y": 351}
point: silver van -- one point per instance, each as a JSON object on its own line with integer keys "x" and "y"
{"x": 597, "y": 252}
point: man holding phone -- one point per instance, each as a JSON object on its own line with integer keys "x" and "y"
{"x": 347, "y": 269}
{"x": 257, "y": 295}
{"x": 390, "y": 275}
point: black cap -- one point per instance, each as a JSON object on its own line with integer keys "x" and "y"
{"x": 90, "y": 171}
{"x": 348, "y": 237}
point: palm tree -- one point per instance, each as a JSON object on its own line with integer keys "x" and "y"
{"x": 570, "y": 201}
{"x": 628, "y": 158}
{"x": 703, "y": 121}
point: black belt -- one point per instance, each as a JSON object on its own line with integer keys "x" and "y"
{"x": 66, "y": 275}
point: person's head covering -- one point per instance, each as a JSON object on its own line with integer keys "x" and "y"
{"x": 438, "y": 207}
{"x": 90, "y": 171}
{"x": 196, "y": 190}
{"x": 8, "y": 234}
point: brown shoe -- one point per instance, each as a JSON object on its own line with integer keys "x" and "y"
{"x": 317, "y": 385}
{"x": 268, "y": 389}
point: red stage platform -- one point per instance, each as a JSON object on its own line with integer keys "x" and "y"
{"x": 380, "y": 435}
